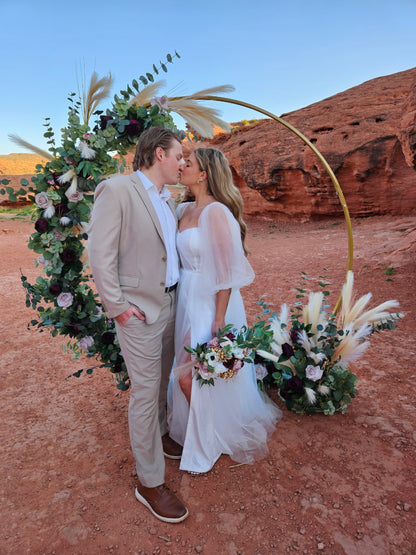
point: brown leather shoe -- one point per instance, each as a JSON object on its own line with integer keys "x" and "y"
{"x": 162, "y": 503}
{"x": 171, "y": 449}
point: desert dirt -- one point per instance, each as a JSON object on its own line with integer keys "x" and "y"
{"x": 330, "y": 484}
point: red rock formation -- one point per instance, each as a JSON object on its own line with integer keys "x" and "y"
{"x": 367, "y": 134}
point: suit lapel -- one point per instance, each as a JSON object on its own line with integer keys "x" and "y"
{"x": 139, "y": 187}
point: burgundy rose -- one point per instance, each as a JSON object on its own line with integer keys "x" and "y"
{"x": 230, "y": 336}
{"x": 108, "y": 337}
{"x": 294, "y": 336}
{"x": 68, "y": 256}
{"x": 229, "y": 363}
{"x": 294, "y": 384}
{"x": 55, "y": 289}
{"x": 258, "y": 359}
{"x": 80, "y": 305}
{"x": 41, "y": 225}
{"x": 104, "y": 121}
{"x": 61, "y": 209}
{"x": 117, "y": 367}
{"x": 285, "y": 393}
{"x": 133, "y": 128}
{"x": 268, "y": 364}
{"x": 55, "y": 177}
{"x": 73, "y": 329}
{"x": 287, "y": 350}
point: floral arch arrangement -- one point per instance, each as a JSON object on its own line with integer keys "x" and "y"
{"x": 92, "y": 147}
{"x": 62, "y": 192}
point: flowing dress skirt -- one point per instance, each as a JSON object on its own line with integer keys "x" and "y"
{"x": 232, "y": 417}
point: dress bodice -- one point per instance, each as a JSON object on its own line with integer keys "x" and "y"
{"x": 188, "y": 244}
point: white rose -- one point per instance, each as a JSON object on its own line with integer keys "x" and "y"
{"x": 58, "y": 235}
{"x": 261, "y": 371}
{"x": 203, "y": 371}
{"x": 42, "y": 200}
{"x": 65, "y": 220}
{"x": 220, "y": 368}
{"x": 64, "y": 300}
{"x": 99, "y": 312}
{"x": 85, "y": 342}
{"x": 238, "y": 352}
{"x": 43, "y": 262}
{"x": 75, "y": 197}
{"x": 314, "y": 373}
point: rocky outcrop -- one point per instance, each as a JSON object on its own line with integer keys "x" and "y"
{"x": 367, "y": 135}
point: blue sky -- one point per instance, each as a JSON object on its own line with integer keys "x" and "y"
{"x": 279, "y": 55}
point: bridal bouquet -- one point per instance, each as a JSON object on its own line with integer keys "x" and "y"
{"x": 311, "y": 350}
{"x": 221, "y": 357}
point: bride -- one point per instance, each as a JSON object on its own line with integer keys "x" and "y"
{"x": 232, "y": 417}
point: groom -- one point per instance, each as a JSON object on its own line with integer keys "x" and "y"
{"x": 135, "y": 267}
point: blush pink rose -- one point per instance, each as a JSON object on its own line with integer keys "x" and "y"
{"x": 42, "y": 200}
{"x": 75, "y": 197}
{"x": 85, "y": 342}
{"x": 314, "y": 373}
{"x": 238, "y": 364}
{"x": 64, "y": 300}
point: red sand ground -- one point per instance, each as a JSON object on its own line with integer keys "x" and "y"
{"x": 340, "y": 484}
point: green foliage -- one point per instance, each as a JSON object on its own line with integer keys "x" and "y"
{"x": 303, "y": 355}
{"x": 62, "y": 296}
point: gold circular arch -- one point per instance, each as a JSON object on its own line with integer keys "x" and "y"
{"x": 318, "y": 154}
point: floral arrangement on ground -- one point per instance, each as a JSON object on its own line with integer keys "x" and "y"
{"x": 308, "y": 349}
{"x": 62, "y": 191}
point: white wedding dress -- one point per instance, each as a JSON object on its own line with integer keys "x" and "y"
{"x": 232, "y": 417}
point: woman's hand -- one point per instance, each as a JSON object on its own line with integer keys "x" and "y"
{"x": 216, "y": 326}
{"x": 223, "y": 296}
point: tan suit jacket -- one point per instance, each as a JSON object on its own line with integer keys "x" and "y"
{"x": 126, "y": 248}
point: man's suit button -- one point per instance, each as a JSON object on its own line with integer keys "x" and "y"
{"x": 162, "y": 283}
{"x": 164, "y": 258}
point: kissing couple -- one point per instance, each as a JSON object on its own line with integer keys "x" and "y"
{"x": 170, "y": 277}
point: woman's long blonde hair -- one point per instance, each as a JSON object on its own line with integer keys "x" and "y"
{"x": 221, "y": 185}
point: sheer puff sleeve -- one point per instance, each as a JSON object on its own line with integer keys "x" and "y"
{"x": 223, "y": 262}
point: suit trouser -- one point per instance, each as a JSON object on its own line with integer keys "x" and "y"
{"x": 148, "y": 351}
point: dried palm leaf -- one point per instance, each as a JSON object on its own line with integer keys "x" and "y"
{"x": 357, "y": 309}
{"x": 353, "y": 315}
{"x": 98, "y": 90}
{"x": 280, "y": 326}
{"x": 346, "y": 295}
{"x": 16, "y": 139}
{"x": 144, "y": 97}
{"x": 212, "y": 91}
{"x": 352, "y": 346}
{"x": 310, "y": 395}
{"x": 312, "y": 312}
{"x": 377, "y": 314}
{"x": 201, "y": 118}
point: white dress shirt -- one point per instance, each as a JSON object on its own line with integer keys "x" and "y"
{"x": 168, "y": 225}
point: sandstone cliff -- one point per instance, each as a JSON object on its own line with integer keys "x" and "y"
{"x": 367, "y": 134}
